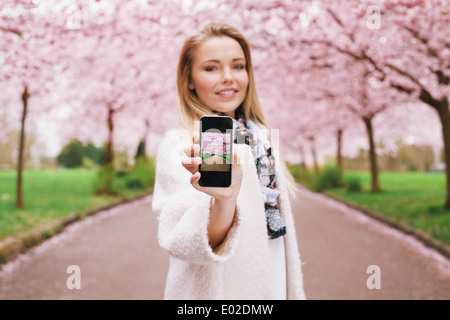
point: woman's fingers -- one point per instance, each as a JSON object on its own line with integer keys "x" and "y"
{"x": 194, "y": 179}
{"x": 195, "y": 138}
{"x": 191, "y": 160}
{"x": 192, "y": 150}
{"x": 191, "y": 164}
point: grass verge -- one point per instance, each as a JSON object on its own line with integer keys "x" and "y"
{"x": 415, "y": 199}
{"x": 53, "y": 199}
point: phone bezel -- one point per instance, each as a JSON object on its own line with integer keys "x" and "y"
{"x": 218, "y": 179}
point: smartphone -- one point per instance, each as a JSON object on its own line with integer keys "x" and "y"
{"x": 216, "y": 144}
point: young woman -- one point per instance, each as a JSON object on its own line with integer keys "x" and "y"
{"x": 224, "y": 243}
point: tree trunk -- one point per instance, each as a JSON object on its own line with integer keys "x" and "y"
{"x": 140, "y": 153}
{"x": 313, "y": 152}
{"x": 302, "y": 158}
{"x": 444, "y": 115}
{"x": 372, "y": 155}
{"x": 20, "y": 164}
{"x": 144, "y": 142}
{"x": 339, "y": 150}
{"x": 109, "y": 154}
{"x": 441, "y": 106}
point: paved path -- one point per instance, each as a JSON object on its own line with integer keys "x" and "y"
{"x": 119, "y": 257}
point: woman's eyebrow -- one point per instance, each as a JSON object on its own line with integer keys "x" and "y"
{"x": 218, "y": 61}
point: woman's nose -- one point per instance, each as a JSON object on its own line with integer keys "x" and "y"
{"x": 226, "y": 75}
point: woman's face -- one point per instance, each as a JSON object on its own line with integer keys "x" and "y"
{"x": 219, "y": 74}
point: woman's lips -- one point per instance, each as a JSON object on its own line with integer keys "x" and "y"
{"x": 227, "y": 93}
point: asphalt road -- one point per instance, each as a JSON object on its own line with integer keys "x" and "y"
{"x": 119, "y": 258}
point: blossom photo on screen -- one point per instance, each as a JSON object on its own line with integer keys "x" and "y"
{"x": 216, "y": 152}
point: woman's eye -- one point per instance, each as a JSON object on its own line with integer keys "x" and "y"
{"x": 212, "y": 68}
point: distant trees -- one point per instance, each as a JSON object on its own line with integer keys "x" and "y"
{"x": 74, "y": 154}
{"x": 406, "y": 158}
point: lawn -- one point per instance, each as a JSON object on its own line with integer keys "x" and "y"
{"x": 414, "y": 198}
{"x": 49, "y": 195}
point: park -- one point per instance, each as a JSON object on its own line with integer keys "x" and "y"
{"x": 355, "y": 93}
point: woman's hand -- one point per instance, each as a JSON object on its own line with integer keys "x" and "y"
{"x": 191, "y": 162}
{"x": 223, "y": 202}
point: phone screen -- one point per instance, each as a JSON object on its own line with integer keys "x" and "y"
{"x": 216, "y": 141}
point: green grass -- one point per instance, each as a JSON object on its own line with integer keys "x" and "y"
{"x": 50, "y": 195}
{"x": 225, "y": 156}
{"x": 416, "y": 199}
{"x": 413, "y": 198}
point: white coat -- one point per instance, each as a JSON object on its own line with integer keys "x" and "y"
{"x": 240, "y": 268}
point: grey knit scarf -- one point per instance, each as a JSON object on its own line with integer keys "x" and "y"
{"x": 246, "y": 131}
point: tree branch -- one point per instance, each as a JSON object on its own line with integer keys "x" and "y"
{"x": 442, "y": 78}
{"x": 416, "y": 35}
{"x": 405, "y": 74}
{"x": 426, "y": 97}
{"x": 402, "y": 88}
{"x": 358, "y": 57}
{"x": 339, "y": 22}
{"x": 11, "y": 30}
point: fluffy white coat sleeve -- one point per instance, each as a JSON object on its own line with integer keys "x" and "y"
{"x": 182, "y": 211}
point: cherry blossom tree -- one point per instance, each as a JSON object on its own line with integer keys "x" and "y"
{"x": 404, "y": 43}
{"x": 114, "y": 73}
{"x": 110, "y": 66}
{"x": 29, "y": 53}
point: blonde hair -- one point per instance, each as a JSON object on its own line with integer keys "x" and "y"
{"x": 191, "y": 109}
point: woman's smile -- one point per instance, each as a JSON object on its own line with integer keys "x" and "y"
{"x": 227, "y": 93}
